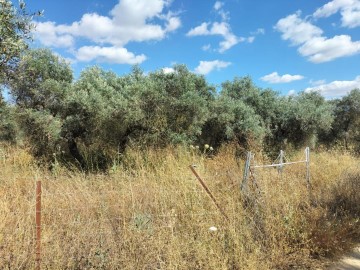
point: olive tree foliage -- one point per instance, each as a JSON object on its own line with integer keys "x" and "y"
{"x": 8, "y": 125}
{"x": 41, "y": 81}
{"x": 241, "y": 112}
{"x": 39, "y": 86}
{"x": 232, "y": 120}
{"x": 255, "y": 116}
{"x": 15, "y": 31}
{"x": 346, "y": 127}
{"x": 90, "y": 122}
{"x": 182, "y": 104}
{"x": 97, "y": 117}
{"x": 302, "y": 118}
{"x": 104, "y": 113}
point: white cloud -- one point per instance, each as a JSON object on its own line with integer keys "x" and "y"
{"x": 218, "y": 5}
{"x": 336, "y": 88}
{"x": 259, "y": 31}
{"x": 206, "y": 67}
{"x": 168, "y": 70}
{"x": 312, "y": 44}
{"x": 221, "y": 28}
{"x": 201, "y": 30}
{"x": 47, "y": 36}
{"x": 218, "y": 28}
{"x": 129, "y": 20}
{"x": 206, "y": 47}
{"x": 276, "y": 78}
{"x": 250, "y": 39}
{"x": 108, "y": 55}
{"x": 223, "y": 14}
{"x": 296, "y": 30}
{"x": 349, "y": 10}
{"x": 321, "y": 49}
{"x": 173, "y": 24}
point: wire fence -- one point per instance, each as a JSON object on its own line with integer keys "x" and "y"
{"x": 280, "y": 162}
{"x": 104, "y": 215}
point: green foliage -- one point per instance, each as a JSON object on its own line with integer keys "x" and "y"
{"x": 8, "y": 125}
{"x": 182, "y": 107}
{"x": 41, "y": 80}
{"x": 42, "y": 131}
{"x": 41, "y": 83}
{"x": 91, "y": 121}
{"x": 301, "y": 118}
{"x": 346, "y": 127}
{"x": 105, "y": 113}
{"x": 15, "y": 30}
{"x": 232, "y": 120}
{"x": 98, "y": 115}
{"x": 242, "y": 112}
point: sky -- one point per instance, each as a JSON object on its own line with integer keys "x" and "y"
{"x": 288, "y": 46}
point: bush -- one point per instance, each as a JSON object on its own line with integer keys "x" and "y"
{"x": 8, "y": 125}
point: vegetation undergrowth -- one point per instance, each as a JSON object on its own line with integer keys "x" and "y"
{"x": 149, "y": 212}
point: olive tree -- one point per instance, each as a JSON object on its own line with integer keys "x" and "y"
{"x": 39, "y": 86}
{"x": 346, "y": 127}
{"x": 15, "y": 31}
{"x": 104, "y": 113}
{"x": 41, "y": 80}
{"x": 303, "y": 117}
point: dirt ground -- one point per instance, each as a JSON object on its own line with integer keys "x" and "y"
{"x": 349, "y": 262}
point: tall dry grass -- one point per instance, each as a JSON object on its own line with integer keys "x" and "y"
{"x": 149, "y": 212}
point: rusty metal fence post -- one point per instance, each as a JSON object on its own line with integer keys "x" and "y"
{"x": 208, "y": 192}
{"x": 38, "y": 226}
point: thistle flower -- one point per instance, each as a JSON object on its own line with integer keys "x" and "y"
{"x": 207, "y": 146}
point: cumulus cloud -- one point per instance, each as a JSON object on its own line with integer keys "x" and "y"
{"x": 276, "y": 78}
{"x": 349, "y": 10}
{"x": 47, "y": 36}
{"x": 297, "y": 30}
{"x": 206, "y": 67}
{"x": 108, "y": 55}
{"x": 336, "y": 88}
{"x": 312, "y": 44}
{"x": 129, "y": 20}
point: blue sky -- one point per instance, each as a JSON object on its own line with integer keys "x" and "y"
{"x": 289, "y": 46}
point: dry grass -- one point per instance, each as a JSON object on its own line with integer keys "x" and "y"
{"x": 149, "y": 212}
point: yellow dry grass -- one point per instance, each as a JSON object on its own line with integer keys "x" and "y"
{"x": 149, "y": 212}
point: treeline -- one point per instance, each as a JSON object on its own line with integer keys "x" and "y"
{"x": 90, "y": 121}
